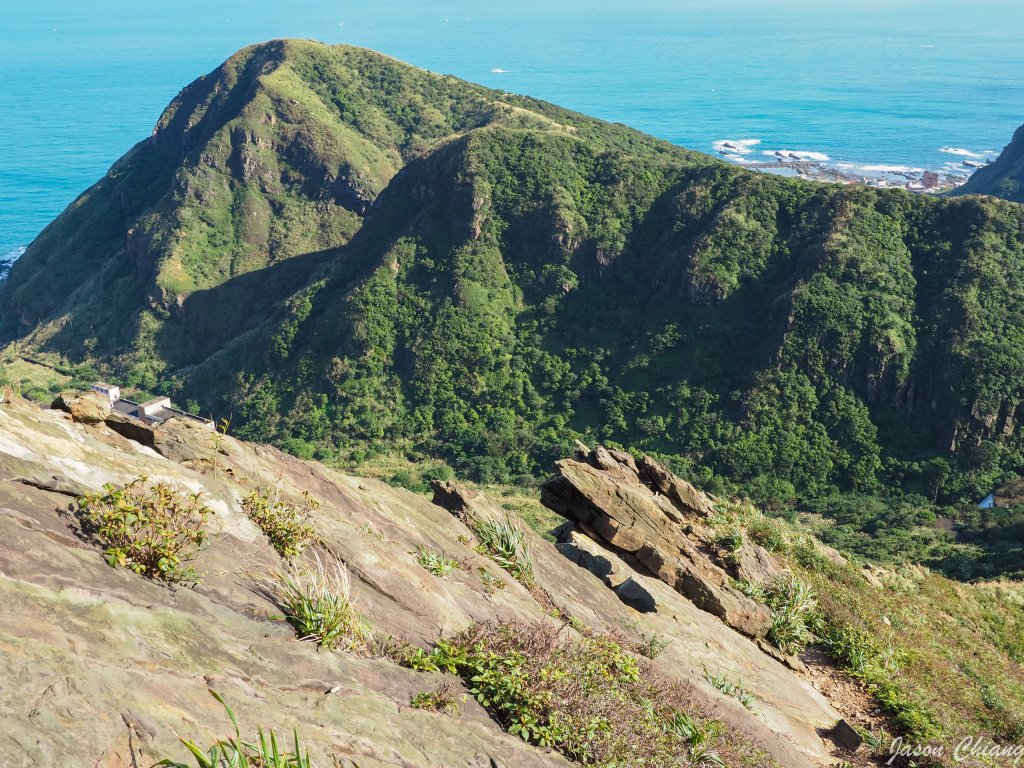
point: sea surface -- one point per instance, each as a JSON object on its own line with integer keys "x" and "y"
{"x": 883, "y": 84}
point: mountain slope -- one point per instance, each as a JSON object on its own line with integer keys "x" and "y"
{"x": 1003, "y": 178}
{"x": 350, "y": 254}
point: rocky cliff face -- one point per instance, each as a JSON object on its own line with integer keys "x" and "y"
{"x": 105, "y": 667}
{"x": 1004, "y": 177}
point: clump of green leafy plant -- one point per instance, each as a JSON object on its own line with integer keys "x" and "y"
{"x": 232, "y": 752}
{"x": 505, "y": 543}
{"x": 586, "y": 696}
{"x": 794, "y": 607}
{"x": 285, "y": 524}
{"x": 435, "y": 562}
{"x": 151, "y": 529}
{"x": 446, "y": 698}
{"x": 731, "y": 688}
{"x": 316, "y": 600}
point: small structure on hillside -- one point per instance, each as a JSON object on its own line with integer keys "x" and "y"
{"x": 112, "y": 393}
{"x": 152, "y": 412}
{"x": 1008, "y": 495}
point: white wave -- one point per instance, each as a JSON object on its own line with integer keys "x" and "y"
{"x": 961, "y": 152}
{"x": 891, "y": 169}
{"x": 797, "y": 154}
{"x": 736, "y": 146}
{"x": 499, "y": 71}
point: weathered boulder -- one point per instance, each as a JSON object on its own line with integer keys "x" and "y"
{"x": 84, "y": 407}
{"x": 755, "y": 564}
{"x": 607, "y": 566}
{"x": 688, "y": 498}
{"x": 630, "y": 516}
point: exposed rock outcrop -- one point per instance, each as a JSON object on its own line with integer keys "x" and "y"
{"x": 103, "y": 667}
{"x": 86, "y": 407}
{"x": 647, "y": 512}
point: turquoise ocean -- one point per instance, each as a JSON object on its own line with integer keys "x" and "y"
{"x": 865, "y": 83}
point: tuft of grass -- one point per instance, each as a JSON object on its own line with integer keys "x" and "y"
{"x": 505, "y": 543}
{"x": 731, "y": 688}
{"x": 794, "y": 608}
{"x": 435, "y": 562}
{"x": 697, "y": 737}
{"x": 769, "y": 533}
{"x": 286, "y": 525}
{"x": 151, "y": 529}
{"x": 232, "y": 752}
{"x": 316, "y": 600}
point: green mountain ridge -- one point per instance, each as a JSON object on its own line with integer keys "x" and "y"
{"x": 1004, "y": 177}
{"x": 349, "y": 254}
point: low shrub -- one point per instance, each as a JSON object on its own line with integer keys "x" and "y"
{"x": 587, "y": 697}
{"x": 769, "y": 533}
{"x": 316, "y": 601}
{"x": 232, "y": 752}
{"x": 285, "y": 524}
{"x": 151, "y": 529}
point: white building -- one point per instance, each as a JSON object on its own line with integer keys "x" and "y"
{"x": 113, "y": 393}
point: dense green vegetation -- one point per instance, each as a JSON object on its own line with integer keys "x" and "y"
{"x": 353, "y": 256}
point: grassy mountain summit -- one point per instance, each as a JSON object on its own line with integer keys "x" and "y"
{"x": 350, "y": 254}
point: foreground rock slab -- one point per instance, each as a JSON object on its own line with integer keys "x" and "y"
{"x": 101, "y": 667}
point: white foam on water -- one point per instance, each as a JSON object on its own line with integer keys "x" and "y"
{"x": 891, "y": 169}
{"x": 960, "y": 151}
{"x": 736, "y": 146}
{"x": 499, "y": 71}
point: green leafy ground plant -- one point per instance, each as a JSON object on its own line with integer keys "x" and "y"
{"x": 149, "y": 528}
{"x": 586, "y": 696}
{"x": 285, "y": 524}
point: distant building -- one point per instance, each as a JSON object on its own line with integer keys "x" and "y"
{"x": 930, "y": 179}
{"x": 152, "y": 412}
{"x": 112, "y": 393}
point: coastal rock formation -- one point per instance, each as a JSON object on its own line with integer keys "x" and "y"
{"x": 104, "y": 667}
{"x": 623, "y": 506}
